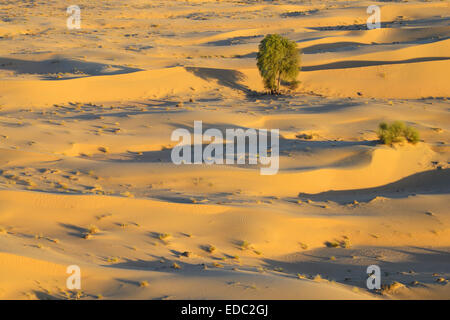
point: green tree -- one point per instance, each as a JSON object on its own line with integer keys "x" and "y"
{"x": 278, "y": 60}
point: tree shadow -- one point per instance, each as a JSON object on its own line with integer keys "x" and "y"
{"x": 225, "y": 77}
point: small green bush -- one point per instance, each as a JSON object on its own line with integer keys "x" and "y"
{"x": 397, "y": 132}
{"x": 411, "y": 135}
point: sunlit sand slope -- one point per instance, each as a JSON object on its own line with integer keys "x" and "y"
{"x": 87, "y": 178}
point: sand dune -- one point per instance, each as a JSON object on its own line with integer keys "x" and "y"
{"x": 87, "y": 179}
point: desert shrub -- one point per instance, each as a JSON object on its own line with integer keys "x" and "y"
{"x": 397, "y": 132}
{"x": 411, "y": 135}
{"x": 278, "y": 60}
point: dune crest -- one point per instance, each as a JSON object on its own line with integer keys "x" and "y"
{"x": 87, "y": 176}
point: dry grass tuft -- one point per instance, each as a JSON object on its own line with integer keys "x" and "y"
{"x": 391, "y": 288}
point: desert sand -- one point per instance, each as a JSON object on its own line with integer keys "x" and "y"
{"x": 86, "y": 176}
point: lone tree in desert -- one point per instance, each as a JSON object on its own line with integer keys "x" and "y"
{"x": 278, "y": 60}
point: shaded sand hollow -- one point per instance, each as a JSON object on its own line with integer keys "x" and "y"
{"x": 86, "y": 176}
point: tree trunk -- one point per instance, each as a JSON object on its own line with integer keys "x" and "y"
{"x": 278, "y": 82}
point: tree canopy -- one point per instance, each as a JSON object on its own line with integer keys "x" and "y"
{"x": 278, "y": 60}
